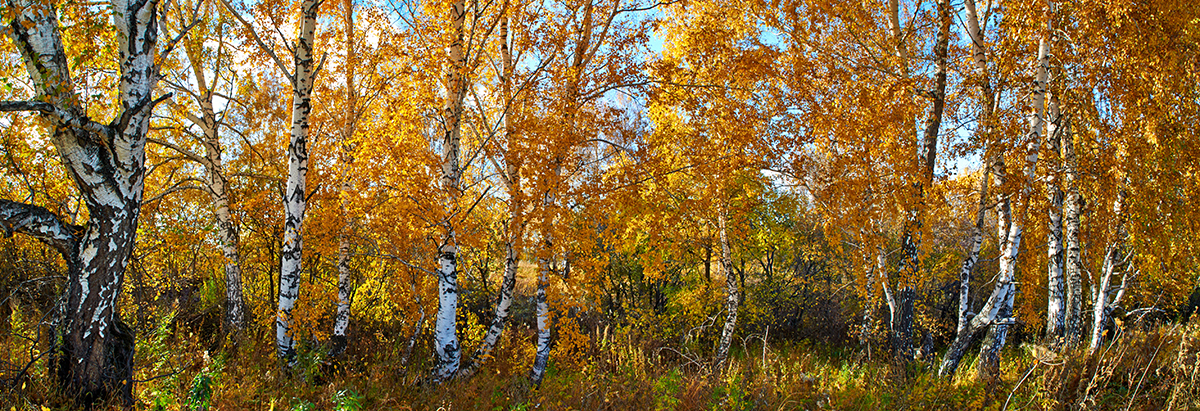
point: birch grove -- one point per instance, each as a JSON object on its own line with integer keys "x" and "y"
{"x": 218, "y": 214}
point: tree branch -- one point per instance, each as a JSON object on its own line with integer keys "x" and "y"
{"x": 39, "y": 223}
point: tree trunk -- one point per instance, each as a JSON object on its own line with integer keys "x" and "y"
{"x": 217, "y": 186}
{"x": 349, "y": 126}
{"x": 998, "y": 310}
{"x": 909, "y": 268}
{"x": 295, "y": 198}
{"x": 1072, "y": 265}
{"x": 445, "y": 333}
{"x": 542, "y": 356}
{"x": 515, "y": 228}
{"x": 1116, "y": 258}
{"x": 94, "y": 359}
{"x": 731, "y": 289}
{"x": 974, "y": 244}
{"x": 1056, "y": 287}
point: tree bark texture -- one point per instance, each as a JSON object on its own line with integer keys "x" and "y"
{"x": 1072, "y": 264}
{"x": 515, "y": 227}
{"x": 93, "y": 359}
{"x": 294, "y": 201}
{"x": 731, "y": 290}
{"x": 445, "y": 333}
{"x": 1055, "y": 282}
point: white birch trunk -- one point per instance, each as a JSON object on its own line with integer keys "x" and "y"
{"x": 1116, "y": 259}
{"x": 1072, "y": 264}
{"x": 445, "y": 333}
{"x": 974, "y": 244}
{"x": 1056, "y": 287}
{"x": 345, "y": 282}
{"x": 542, "y": 355}
{"x": 295, "y": 199}
{"x": 93, "y": 359}
{"x": 731, "y": 289}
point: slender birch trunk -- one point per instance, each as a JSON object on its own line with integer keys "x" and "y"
{"x": 1072, "y": 264}
{"x": 295, "y": 198}
{"x": 445, "y": 333}
{"x": 731, "y": 288}
{"x": 216, "y": 181}
{"x": 582, "y": 56}
{"x": 514, "y": 230}
{"x": 93, "y": 361}
{"x": 542, "y": 356}
{"x": 974, "y": 244}
{"x": 1116, "y": 258}
{"x": 998, "y": 310}
{"x": 987, "y": 126}
{"x": 1055, "y": 284}
{"x": 349, "y": 126}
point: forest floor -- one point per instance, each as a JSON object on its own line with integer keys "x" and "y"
{"x": 1140, "y": 370}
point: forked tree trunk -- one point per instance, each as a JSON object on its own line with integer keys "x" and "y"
{"x": 94, "y": 358}
{"x": 998, "y": 310}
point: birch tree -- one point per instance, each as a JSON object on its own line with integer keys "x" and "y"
{"x": 996, "y": 313}
{"x": 301, "y": 75}
{"x": 512, "y": 149}
{"x": 349, "y": 123}
{"x": 93, "y": 359}
{"x": 926, "y": 159}
{"x": 445, "y": 338}
{"x": 201, "y": 62}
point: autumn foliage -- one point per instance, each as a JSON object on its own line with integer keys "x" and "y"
{"x": 614, "y": 204}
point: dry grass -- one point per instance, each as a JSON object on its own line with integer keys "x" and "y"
{"x": 1143, "y": 370}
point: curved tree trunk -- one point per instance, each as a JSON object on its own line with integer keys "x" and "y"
{"x": 94, "y": 359}
{"x": 542, "y": 356}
